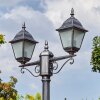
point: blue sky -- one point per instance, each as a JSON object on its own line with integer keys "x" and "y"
{"x": 42, "y": 17}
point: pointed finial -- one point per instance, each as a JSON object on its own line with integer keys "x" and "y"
{"x": 23, "y": 26}
{"x": 46, "y": 45}
{"x": 65, "y": 98}
{"x": 72, "y": 12}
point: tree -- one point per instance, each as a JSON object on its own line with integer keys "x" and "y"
{"x": 95, "y": 58}
{"x": 29, "y": 97}
{"x": 2, "y": 39}
{"x": 7, "y": 90}
{"x": 38, "y": 96}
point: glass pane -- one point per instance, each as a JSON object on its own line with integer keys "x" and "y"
{"x": 66, "y": 37}
{"x": 28, "y": 49}
{"x": 17, "y": 47}
{"x": 78, "y": 38}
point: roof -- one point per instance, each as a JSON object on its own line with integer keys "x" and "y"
{"x": 23, "y": 35}
{"x": 71, "y": 22}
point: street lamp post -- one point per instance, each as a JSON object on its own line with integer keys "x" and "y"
{"x": 71, "y": 34}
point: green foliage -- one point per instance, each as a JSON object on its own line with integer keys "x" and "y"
{"x": 7, "y": 89}
{"x": 29, "y": 97}
{"x": 38, "y": 96}
{"x": 95, "y": 58}
{"x": 2, "y": 39}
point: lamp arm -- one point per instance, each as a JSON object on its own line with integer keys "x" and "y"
{"x": 31, "y": 64}
{"x": 63, "y": 65}
{"x": 61, "y": 57}
{"x": 52, "y": 59}
{"x": 36, "y": 71}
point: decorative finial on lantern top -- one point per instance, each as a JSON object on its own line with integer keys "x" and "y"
{"x": 72, "y": 12}
{"x": 23, "y": 26}
{"x": 46, "y": 45}
{"x": 65, "y": 98}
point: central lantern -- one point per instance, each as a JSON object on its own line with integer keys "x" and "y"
{"x": 23, "y": 45}
{"x": 71, "y": 34}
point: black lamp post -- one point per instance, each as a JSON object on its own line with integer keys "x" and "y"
{"x": 71, "y": 35}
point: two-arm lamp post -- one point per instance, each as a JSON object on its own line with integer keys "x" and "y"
{"x": 71, "y": 35}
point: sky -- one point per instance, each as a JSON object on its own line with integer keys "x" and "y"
{"x": 42, "y": 18}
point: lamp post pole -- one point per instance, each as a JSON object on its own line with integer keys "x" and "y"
{"x": 46, "y": 88}
{"x": 46, "y": 68}
{"x": 45, "y": 64}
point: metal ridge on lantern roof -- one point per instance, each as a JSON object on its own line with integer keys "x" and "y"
{"x": 71, "y": 22}
{"x": 24, "y": 35}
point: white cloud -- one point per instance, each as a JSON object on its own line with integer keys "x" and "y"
{"x": 37, "y": 22}
{"x": 21, "y": 13}
{"x": 10, "y": 3}
{"x": 59, "y": 10}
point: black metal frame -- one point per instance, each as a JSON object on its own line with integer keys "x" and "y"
{"x": 54, "y": 60}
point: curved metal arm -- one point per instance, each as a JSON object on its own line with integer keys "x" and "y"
{"x": 37, "y": 69}
{"x": 55, "y": 68}
{"x": 22, "y": 71}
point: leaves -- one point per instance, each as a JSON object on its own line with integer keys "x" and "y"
{"x": 95, "y": 58}
{"x": 29, "y": 97}
{"x": 2, "y": 39}
{"x": 7, "y": 91}
{"x": 38, "y": 96}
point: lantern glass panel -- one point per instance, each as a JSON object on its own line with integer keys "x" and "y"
{"x": 66, "y": 38}
{"x": 78, "y": 38}
{"x": 28, "y": 49}
{"x": 17, "y": 49}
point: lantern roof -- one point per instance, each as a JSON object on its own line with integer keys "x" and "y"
{"x": 72, "y": 22}
{"x": 23, "y": 35}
